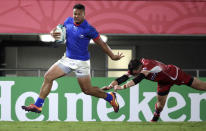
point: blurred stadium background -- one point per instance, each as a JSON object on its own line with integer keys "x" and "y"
{"x": 172, "y": 31}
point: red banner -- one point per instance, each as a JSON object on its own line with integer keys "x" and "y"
{"x": 128, "y": 17}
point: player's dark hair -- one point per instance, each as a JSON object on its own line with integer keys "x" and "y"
{"x": 133, "y": 65}
{"x": 79, "y": 6}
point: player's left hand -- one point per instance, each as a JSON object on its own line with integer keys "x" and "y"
{"x": 118, "y": 56}
{"x": 106, "y": 87}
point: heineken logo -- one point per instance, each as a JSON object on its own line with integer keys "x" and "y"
{"x": 66, "y": 102}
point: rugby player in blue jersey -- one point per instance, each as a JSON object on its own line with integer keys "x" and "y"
{"x": 78, "y": 35}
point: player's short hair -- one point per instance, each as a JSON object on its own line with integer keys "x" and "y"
{"x": 133, "y": 65}
{"x": 79, "y": 6}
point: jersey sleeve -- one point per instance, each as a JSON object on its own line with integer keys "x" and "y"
{"x": 93, "y": 34}
{"x": 150, "y": 65}
{"x": 147, "y": 64}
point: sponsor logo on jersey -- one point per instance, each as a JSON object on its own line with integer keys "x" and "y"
{"x": 81, "y": 36}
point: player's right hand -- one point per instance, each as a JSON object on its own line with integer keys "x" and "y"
{"x": 118, "y": 87}
{"x": 56, "y": 35}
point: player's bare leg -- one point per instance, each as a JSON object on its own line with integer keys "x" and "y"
{"x": 161, "y": 100}
{"x": 53, "y": 73}
{"x": 87, "y": 88}
{"x": 198, "y": 84}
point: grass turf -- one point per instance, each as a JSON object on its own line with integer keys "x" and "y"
{"x": 102, "y": 126}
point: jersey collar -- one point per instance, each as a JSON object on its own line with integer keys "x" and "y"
{"x": 78, "y": 24}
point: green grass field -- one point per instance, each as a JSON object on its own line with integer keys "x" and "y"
{"x": 102, "y": 126}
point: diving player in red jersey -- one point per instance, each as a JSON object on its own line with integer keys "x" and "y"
{"x": 165, "y": 75}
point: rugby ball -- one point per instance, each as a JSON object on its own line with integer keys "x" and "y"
{"x": 60, "y": 28}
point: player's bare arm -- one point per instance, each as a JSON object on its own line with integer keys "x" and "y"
{"x": 108, "y": 50}
{"x": 110, "y": 86}
{"x": 117, "y": 81}
{"x": 136, "y": 80}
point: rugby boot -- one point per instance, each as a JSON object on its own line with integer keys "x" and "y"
{"x": 32, "y": 108}
{"x": 114, "y": 102}
{"x": 155, "y": 117}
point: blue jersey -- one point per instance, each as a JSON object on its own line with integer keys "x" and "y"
{"x": 78, "y": 38}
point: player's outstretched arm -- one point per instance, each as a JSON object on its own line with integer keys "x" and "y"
{"x": 132, "y": 82}
{"x": 110, "y": 86}
{"x": 108, "y": 50}
{"x": 117, "y": 81}
{"x": 127, "y": 85}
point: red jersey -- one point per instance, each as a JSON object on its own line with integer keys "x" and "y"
{"x": 160, "y": 72}
{"x": 165, "y": 75}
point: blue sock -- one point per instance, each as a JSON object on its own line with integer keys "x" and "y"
{"x": 39, "y": 102}
{"x": 109, "y": 97}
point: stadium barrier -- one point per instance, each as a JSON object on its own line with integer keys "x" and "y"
{"x": 41, "y": 71}
{"x": 66, "y": 102}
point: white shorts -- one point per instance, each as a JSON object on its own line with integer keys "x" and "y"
{"x": 81, "y": 68}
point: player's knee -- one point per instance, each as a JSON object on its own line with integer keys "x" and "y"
{"x": 47, "y": 77}
{"x": 198, "y": 84}
{"x": 203, "y": 86}
{"x": 86, "y": 91}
